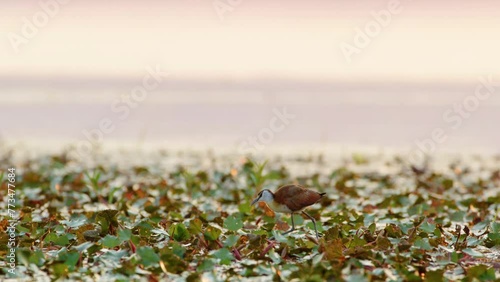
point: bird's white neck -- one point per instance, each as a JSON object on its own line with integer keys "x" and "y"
{"x": 267, "y": 197}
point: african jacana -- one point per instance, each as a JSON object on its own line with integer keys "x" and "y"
{"x": 290, "y": 199}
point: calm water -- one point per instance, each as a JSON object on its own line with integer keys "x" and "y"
{"x": 227, "y": 114}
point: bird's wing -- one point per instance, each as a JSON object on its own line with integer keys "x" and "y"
{"x": 296, "y": 197}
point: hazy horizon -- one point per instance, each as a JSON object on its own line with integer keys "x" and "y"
{"x": 226, "y": 114}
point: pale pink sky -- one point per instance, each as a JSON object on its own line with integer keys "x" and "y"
{"x": 447, "y": 40}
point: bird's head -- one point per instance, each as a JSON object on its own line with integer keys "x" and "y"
{"x": 264, "y": 196}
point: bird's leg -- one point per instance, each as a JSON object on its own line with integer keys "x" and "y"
{"x": 293, "y": 227}
{"x": 314, "y": 223}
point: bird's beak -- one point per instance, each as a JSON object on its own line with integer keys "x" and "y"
{"x": 255, "y": 201}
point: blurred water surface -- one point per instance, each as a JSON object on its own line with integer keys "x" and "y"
{"x": 226, "y": 113}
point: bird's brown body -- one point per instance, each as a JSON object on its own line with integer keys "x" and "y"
{"x": 296, "y": 197}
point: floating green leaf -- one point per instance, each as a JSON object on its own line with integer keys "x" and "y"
{"x": 179, "y": 232}
{"x": 148, "y": 256}
{"x": 212, "y": 233}
{"x": 233, "y": 223}
{"x": 224, "y": 256}
{"x": 110, "y": 241}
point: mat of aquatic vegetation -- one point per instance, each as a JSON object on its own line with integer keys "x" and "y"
{"x": 187, "y": 216}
